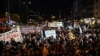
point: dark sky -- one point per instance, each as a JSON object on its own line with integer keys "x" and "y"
{"x": 42, "y": 6}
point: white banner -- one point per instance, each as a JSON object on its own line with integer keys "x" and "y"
{"x": 55, "y": 24}
{"x": 87, "y": 20}
{"x": 50, "y": 33}
{"x": 14, "y": 33}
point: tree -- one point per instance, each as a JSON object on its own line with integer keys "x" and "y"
{"x": 40, "y": 18}
{"x": 15, "y": 17}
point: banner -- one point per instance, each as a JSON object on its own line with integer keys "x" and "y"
{"x": 55, "y": 24}
{"x": 50, "y": 33}
{"x": 30, "y": 29}
{"x": 27, "y": 29}
{"x": 14, "y": 33}
{"x": 87, "y": 20}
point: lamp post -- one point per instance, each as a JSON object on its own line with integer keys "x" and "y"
{"x": 26, "y": 3}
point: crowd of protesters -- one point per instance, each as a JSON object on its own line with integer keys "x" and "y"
{"x": 86, "y": 43}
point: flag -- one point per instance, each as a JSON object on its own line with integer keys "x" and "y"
{"x": 45, "y": 51}
{"x": 71, "y": 35}
{"x": 80, "y": 29}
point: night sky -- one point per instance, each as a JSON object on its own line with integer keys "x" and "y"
{"x": 41, "y": 6}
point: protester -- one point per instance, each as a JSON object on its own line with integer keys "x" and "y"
{"x": 68, "y": 42}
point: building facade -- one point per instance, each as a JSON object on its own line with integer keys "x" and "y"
{"x": 83, "y": 8}
{"x": 97, "y": 8}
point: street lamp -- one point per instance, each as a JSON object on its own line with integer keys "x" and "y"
{"x": 26, "y": 3}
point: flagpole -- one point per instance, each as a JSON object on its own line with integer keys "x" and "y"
{"x": 59, "y": 15}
